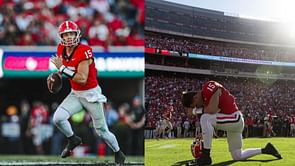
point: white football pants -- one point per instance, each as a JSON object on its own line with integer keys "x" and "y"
{"x": 73, "y": 104}
{"x": 233, "y": 124}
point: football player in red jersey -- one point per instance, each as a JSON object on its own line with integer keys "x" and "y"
{"x": 167, "y": 115}
{"x": 75, "y": 61}
{"x": 220, "y": 111}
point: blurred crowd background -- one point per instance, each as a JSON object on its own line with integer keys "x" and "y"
{"x": 27, "y": 128}
{"x": 102, "y": 22}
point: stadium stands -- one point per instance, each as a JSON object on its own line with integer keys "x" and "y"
{"x": 188, "y": 29}
{"x": 192, "y": 21}
{"x": 218, "y": 48}
{"x": 102, "y": 22}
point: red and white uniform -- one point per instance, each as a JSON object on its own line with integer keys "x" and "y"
{"x": 227, "y": 103}
{"x": 229, "y": 119}
{"x": 290, "y": 119}
{"x": 168, "y": 113}
{"x": 88, "y": 96}
{"x": 40, "y": 130}
{"x": 39, "y": 115}
{"x": 82, "y": 52}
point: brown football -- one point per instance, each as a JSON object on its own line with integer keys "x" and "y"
{"x": 54, "y": 82}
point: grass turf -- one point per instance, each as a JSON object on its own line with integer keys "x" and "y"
{"x": 56, "y": 160}
{"x": 165, "y": 152}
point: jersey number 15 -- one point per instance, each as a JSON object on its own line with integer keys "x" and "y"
{"x": 211, "y": 87}
{"x": 88, "y": 54}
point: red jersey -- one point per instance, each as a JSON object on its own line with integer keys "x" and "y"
{"x": 168, "y": 113}
{"x": 82, "y": 52}
{"x": 39, "y": 115}
{"x": 249, "y": 121}
{"x": 292, "y": 119}
{"x": 227, "y": 103}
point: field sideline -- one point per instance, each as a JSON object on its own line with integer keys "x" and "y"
{"x": 165, "y": 152}
{"x": 56, "y": 160}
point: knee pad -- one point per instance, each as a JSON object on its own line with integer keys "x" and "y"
{"x": 236, "y": 154}
{"x": 60, "y": 115}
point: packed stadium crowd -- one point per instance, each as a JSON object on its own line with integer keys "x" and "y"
{"x": 28, "y": 128}
{"x": 194, "y": 21}
{"x": 102, "y": 22}
{"x": 260, "y": 101}
{"x": 216, "y": 48}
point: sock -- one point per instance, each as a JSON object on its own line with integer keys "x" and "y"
{"x": 206, "y": 152}
{"x": 263, "y": 151}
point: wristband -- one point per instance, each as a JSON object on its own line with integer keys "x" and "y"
{"x": 67, "y": 72}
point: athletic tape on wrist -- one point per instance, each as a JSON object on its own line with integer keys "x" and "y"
{"x": 67, "y": 72}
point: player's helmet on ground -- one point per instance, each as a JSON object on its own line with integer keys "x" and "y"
{"x": 196, "y": 148}
{"x": 187, "y": 98}
{"x": 69, "y": 26}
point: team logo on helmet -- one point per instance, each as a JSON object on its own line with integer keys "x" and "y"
{"x": 69, "y": 26}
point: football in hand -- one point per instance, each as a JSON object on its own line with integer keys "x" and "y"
{"x": 54, "y": 82}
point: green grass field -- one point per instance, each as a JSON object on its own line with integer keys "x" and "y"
{"x": 165, "y": 152}
{"x": 55, "y": 160}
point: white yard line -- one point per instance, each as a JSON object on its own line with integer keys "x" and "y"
{"x": 167, "y": 146}
{"x": 61, "y": 163}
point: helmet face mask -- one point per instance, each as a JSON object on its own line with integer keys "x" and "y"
{"x": 69, "y": 26}
{"x": 69, "y": 38}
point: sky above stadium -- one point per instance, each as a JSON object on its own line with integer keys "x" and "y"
{"x": 278, "y": 10}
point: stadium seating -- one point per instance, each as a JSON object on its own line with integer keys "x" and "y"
{"x": 217, "y": 48}
{"x": 193, "y": 21}
{"x": 102, "y": 22}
